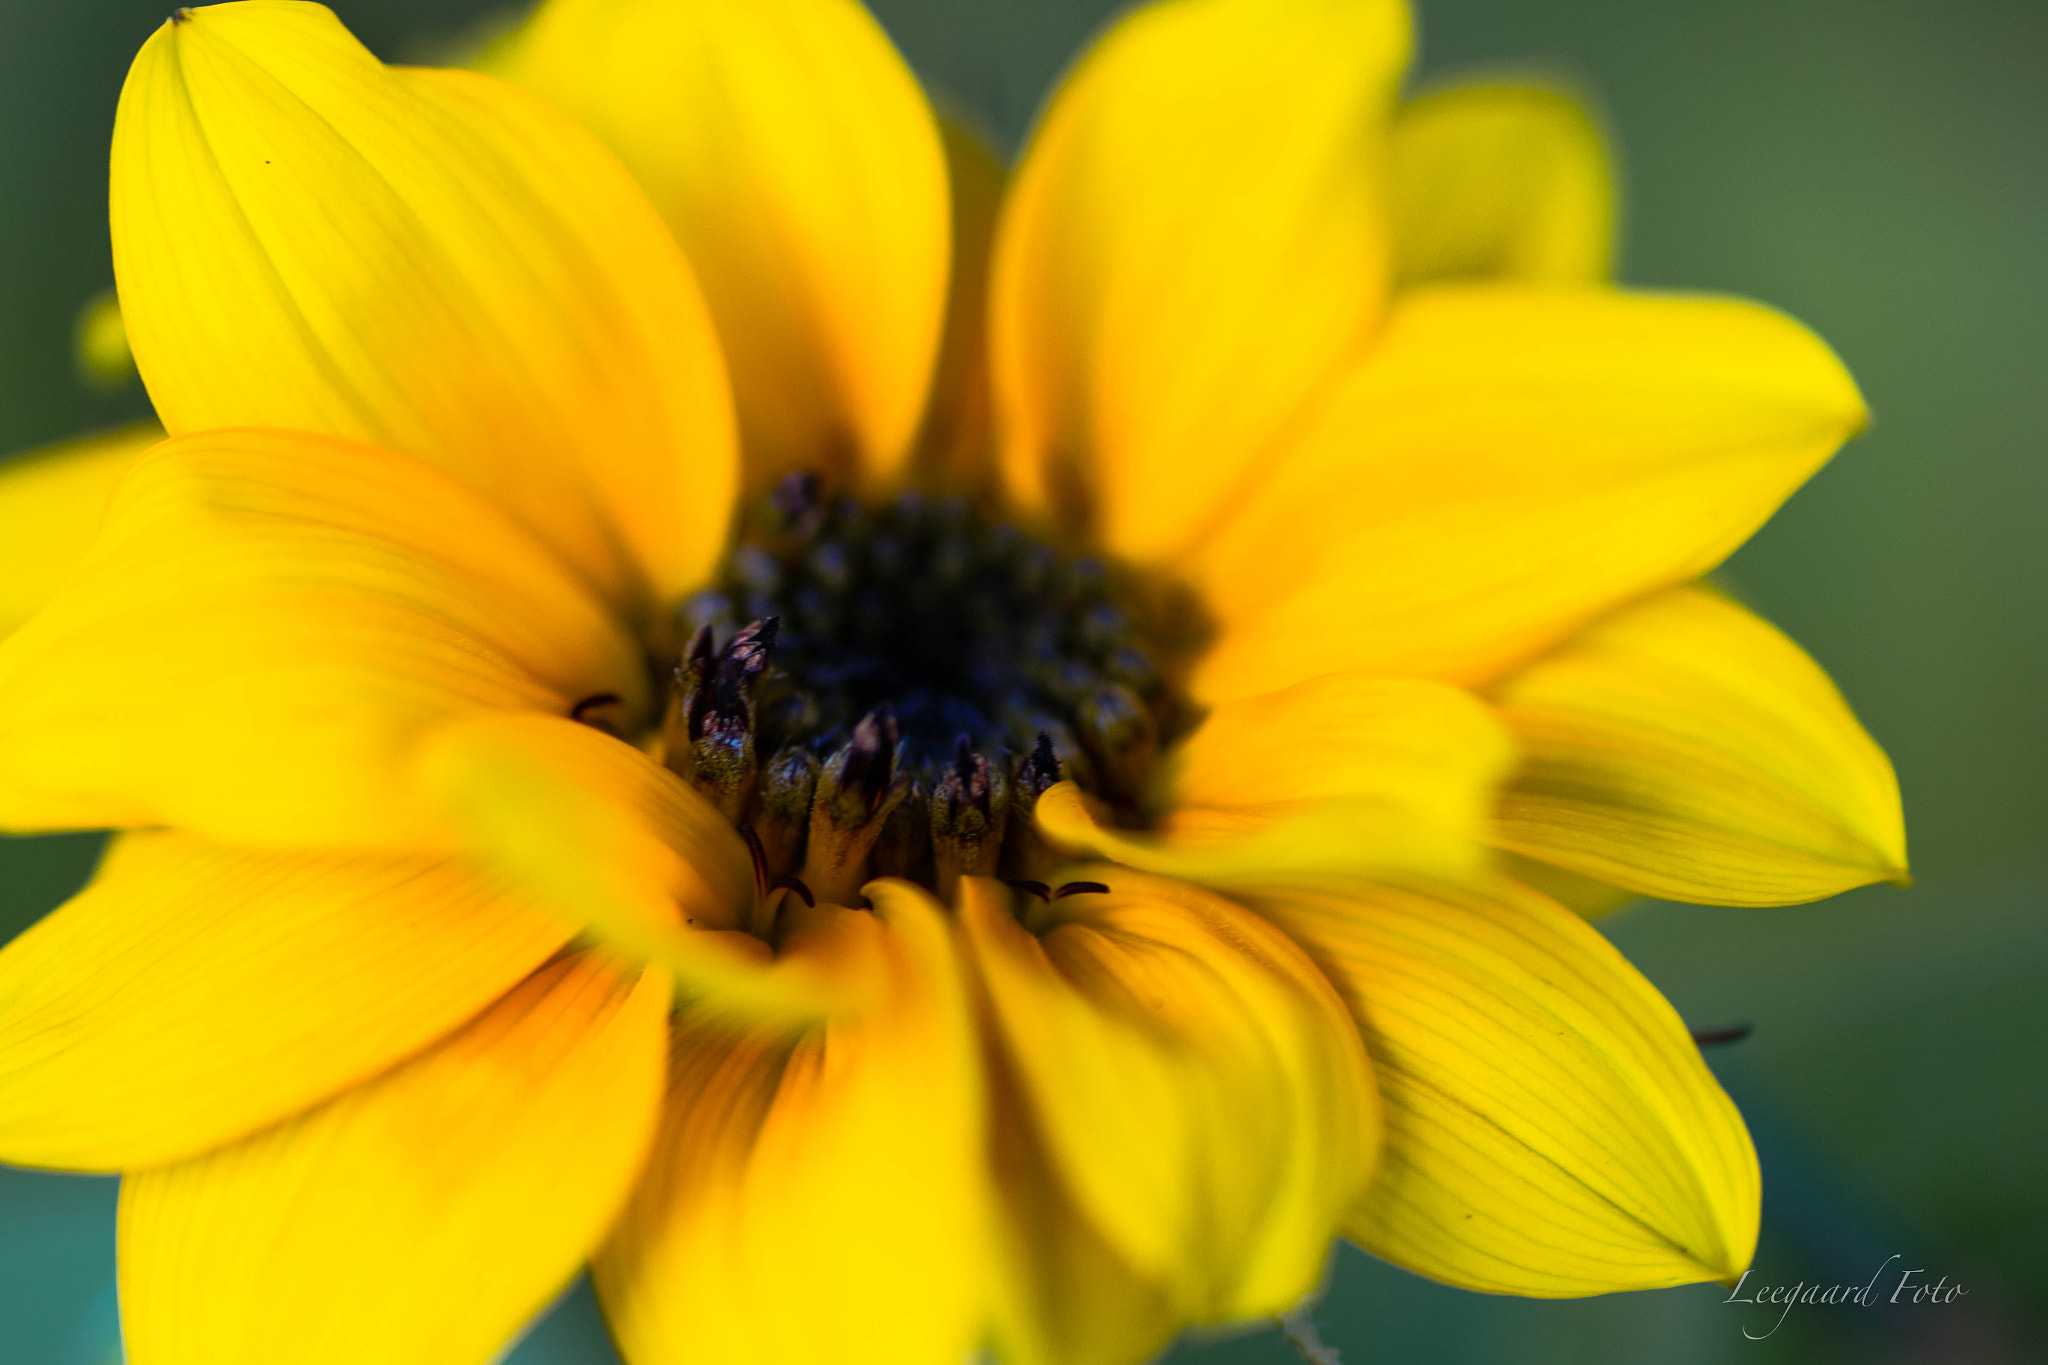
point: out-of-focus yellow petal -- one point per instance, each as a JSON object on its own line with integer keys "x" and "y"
{"x": 598, "y": 830}
{"x": 1684, "y": 748}
{"x": 99, "y": 344}
{"x": 1063, "y": 1295}
{"x": 1509, "y": 463}
{"x": 1193, "y": 1077}
{"x": 954, "y": 448}
{"x": 817, "y": 1196}
{"x": 51, "y": 503}
{"x": 1582, "y": 895}
{"x": 1344, "y": 773}
{"x": 794, "y": 156}
{"x": 1550, "y": 1127}
{"x": 1500, "y": 182}
{"x": 420, "y": 1218}
{"x": 266, "y": 625}
{"x": 193, "y": 993}
{"x": 430, "y": 260}
{"x": 1195, "y": 241}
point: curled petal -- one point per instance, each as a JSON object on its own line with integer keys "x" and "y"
{"x": 420, "y": 1218}
{"x": 600, "y": 831}
{"x": 1551, "y": 1128}
{"x": 817, "y": 1195}
{"x": 1340, "y": 774}
{"x": 1685, "y": 748}
{"x": 1193, "y": 1080}
{"x": 1194, "y": 241}
{"x": 433, "y": 261}
{"x": 1506, "y": 182}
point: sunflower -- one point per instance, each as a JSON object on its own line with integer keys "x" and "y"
{"x": 900, "y": 757}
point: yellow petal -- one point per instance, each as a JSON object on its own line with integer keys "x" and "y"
{"x": 1194, "y": 242}
{"x": 595, "y": 826}
{"x": 1500, "y": 182}
{"x": 51, "y": 503}
{"x": 193, "y": 993}
{"x": 1684, "y": 748}
{"x": 1581, "y": 895}
{"x": 794, "y": 156}
{"x": 817, "y": 1196}
{"x": 267, "y": 624}
{"x": 429, "y": 260}
{"x": 1343, "y": 773}
{"x": 1063, "y": 1295}
{"x": 954, "y": 447}
{"x": 99, "y": 344}
{"x": 597, "y": 829}
{"x": 420, "y": 1218}
{"x": 1193, "y": 1078}
{"x": 1550, "y": 1128}
{"x": 1509, "y": 463}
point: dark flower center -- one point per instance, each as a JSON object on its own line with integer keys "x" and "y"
{"x": 904, "y": 679}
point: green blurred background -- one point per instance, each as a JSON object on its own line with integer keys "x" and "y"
{"x": 1876, "y": 167}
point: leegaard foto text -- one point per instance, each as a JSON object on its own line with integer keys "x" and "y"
{"x": 1911, "y": 1288}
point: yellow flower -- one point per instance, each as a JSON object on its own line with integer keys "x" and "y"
{"x": 459, "y": 935}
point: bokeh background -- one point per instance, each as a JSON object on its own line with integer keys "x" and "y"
{"x": 1875, "y": 167}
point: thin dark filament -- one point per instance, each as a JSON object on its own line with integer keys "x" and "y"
{"x": 1717, "y": 1037}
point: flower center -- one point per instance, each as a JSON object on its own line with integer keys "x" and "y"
{"x": 885, "y": 689}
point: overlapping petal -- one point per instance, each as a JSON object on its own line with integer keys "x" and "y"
{"x": 1194, "y": 1080}
{"x": 51, "y": 504}
{"x": 1550, "y": 1127}
{"x": 1193, "y": 243}
{"x": 1685, "y": 748}
{"x": 429, "y": 260}
{"x": 1500, "y": 181}
{"x": 1509, "y": 463}
{"x": 267, "y": 625}
{"x": 1063, "y": 1293}
{"x": 1340, "y": 774}
{"x": 298, "y": 638}
{"x": 420, "y": 1218}
{"x": 793, "y": 154}
{"x": 193, "y": 993}
{"x": 600, "y": 831}
{"x": 818, "y": 1195}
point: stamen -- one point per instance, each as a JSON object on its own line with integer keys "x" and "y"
{"x": 904, "y": 847}
{"x": 1080, "y": 889}
{"x": 1029, "y": 888}
{"x": 858, "y": 788}
{"x": 970, "y": 810}
{"x": 709, "y": 728}
{"x": 1023, "y": 851}
{"x": 783, "y": 808}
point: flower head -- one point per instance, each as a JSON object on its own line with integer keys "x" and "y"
{"x": 898, "y": 774}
